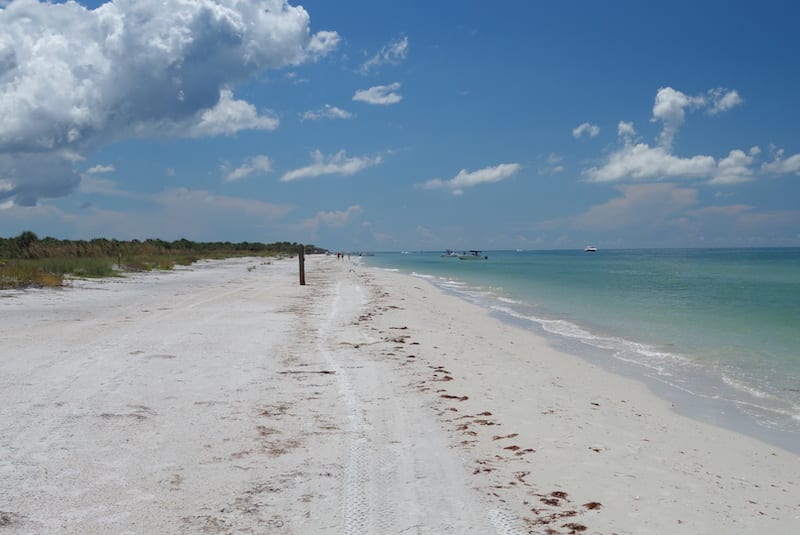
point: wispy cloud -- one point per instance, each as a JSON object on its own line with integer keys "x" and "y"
{"x": 722, "y": 100}
{"x": 92, "y": 184}
{"x": 257, "y": 165}
{"x": 328, "y": 112}
{"x": 392, "y": 54}
{"x": 100, "y": 169}
{"x": 379, "y": 94}
{"x": 587, "y": 129}
{"x": 554, "y": 164}
{"x": 192, "y": 200}
{"x": 467, "y": 179}
{"x": 639, "y": 206}
{"x": 334, "y": 164}
{"x": 330, "y": 219}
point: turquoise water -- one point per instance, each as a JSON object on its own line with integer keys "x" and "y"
{"x": 718, "y": 329}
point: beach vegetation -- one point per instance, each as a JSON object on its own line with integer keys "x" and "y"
{"x": 29, "y": 261}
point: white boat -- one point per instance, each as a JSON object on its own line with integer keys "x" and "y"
{"x": 589, "y": 249}
{"x": 472, "y": 255}
{"x": 449, "y": 254}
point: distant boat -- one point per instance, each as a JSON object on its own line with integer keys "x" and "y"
{"x": 589, "y": 249}
{"x": 472, "y": 255}
{"x": 449, "y": 254}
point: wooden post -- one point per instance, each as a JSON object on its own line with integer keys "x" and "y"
{"x": 302, "y": 260}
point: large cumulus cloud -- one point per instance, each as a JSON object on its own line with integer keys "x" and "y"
{"x": 72, "y": 79}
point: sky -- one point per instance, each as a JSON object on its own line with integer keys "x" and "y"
{"x": 382, "y": 126}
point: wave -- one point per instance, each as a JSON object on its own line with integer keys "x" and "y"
{"x": 675, "y": 371}
{"x": 452, "y": 283}
{"x": 619, "y": 346}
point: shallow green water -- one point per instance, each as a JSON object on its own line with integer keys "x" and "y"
{"x": 719, "y": 324}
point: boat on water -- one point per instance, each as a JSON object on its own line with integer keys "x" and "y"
{"x": 472, "y": 255}
{"x": 449, "y": 254}
{"x": 589, "y": 249}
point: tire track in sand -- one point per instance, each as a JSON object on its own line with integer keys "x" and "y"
{"x": 398, "y": 476}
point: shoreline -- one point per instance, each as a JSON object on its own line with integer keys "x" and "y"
{"x": 226, "y": 398}
{"x": 596, "y": 435}
{"x": 719, "y": 412}
{"x": 695, "y": 390}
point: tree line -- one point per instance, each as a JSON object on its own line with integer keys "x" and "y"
{"x": 29, "y": 246}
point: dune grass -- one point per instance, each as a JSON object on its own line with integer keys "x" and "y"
{"x": 27, "y": 261}
{"x": 51, "y": 272}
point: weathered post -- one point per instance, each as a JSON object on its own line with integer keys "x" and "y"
{"x": 302, "y": 260}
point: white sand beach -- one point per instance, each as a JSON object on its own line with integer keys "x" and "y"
{"x": 226, "y": 398}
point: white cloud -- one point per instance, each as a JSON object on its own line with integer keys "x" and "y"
{"x": 256, "y": 165}
{"x": 626, "y": 131}
{"x": 328, "y": 112}
{"x": 723, "y": 100}
{"x": 379, "y": 94}
{"x": 642, "y": 162}
{"x": 670, "y": 105}
{"x": 585, "y": 128}
{"x": 101, "y": 169}
{"x": 334, "y": 164}
{"x": 75, "y": 79}
{"x": 468, "y": 179}
{"x": 781, "y": 166}
{"x": 669, "y": 108}
{"x": 734, "y": 168}
{"x": 322, "y": 43}
{"x": 393, "y": 53}
{"x": 230, "y": 116}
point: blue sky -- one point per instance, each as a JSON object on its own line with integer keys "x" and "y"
{"x": 368, "y": 125}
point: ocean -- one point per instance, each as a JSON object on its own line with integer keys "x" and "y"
{"x": 714, "y": 331}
